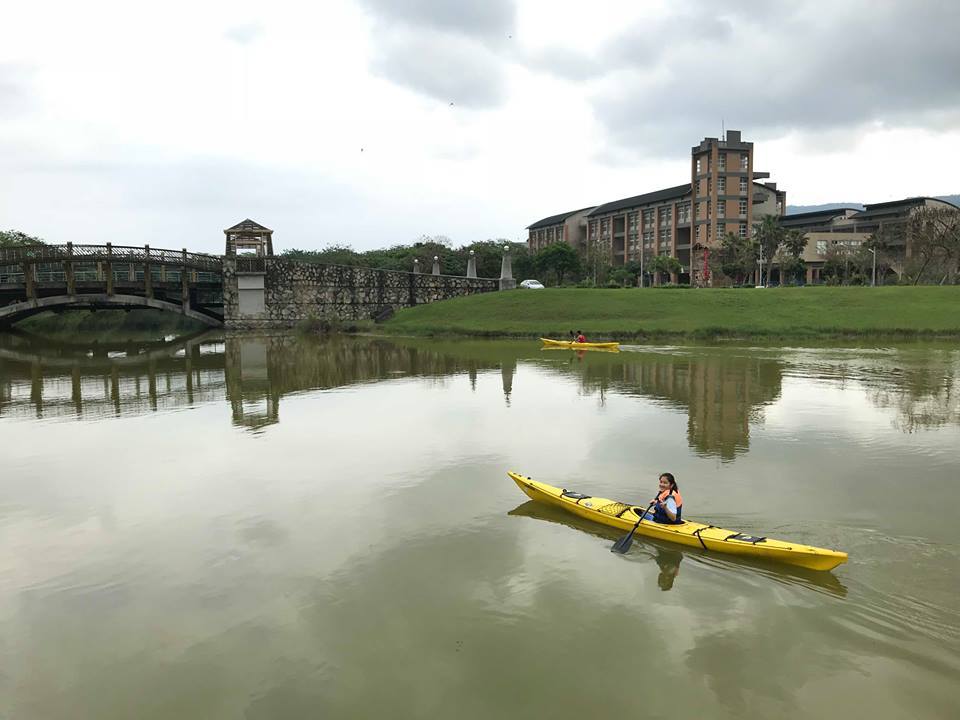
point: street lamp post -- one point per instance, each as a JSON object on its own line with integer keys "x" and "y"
{"x": 873, "y": 281}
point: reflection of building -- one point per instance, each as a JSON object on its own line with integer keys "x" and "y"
{"x": 683, "y": 222}
{"x": 721, "y": 394}
{"x": 254, "y": 401}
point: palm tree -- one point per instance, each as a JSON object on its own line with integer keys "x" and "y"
{"x": 769, "y": 236}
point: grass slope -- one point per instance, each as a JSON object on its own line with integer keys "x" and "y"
{"x": 801, "y": 311}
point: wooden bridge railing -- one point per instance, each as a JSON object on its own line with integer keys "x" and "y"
{"x": 36, "y": 254}
{"x": 29, "y": 265}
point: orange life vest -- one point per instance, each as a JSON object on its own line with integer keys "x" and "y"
{"x": 660, "y": 513}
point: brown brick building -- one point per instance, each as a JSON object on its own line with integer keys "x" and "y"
{"x": 685, "y": 222}
{"x": 569, "y": 227}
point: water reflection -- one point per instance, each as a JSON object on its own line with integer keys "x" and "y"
{"x": 723, "y": 391}
{"x": 44, "y": 379}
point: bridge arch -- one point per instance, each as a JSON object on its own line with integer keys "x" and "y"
{"x": 15, "y": 312}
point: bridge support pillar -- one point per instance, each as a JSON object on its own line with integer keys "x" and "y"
{"x": 29, "y": 280}
{"x": 108, "y": 270}
{"x": 68, "y": 271}
{"x": 184, "y": 284}
{"x": 147, "y": 276}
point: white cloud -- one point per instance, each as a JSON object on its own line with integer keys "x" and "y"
{"x": 173, "y": 125}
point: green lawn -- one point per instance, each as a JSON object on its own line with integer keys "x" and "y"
{"x": 793, "y": 311}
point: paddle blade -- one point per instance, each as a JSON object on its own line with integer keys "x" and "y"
{"x": 623, "y": 544}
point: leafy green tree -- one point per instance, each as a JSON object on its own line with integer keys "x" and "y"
{"x": 660, "y": 265}
{"x": 837, "y": 264}
{"x": 737, "y": 257}
{"x": 626, "y": 274}
{"x": 558, "y": 258}
{"x": 453, "y": 261}
{"x": 15, "y": 238}
{"x": 792, "y": 269}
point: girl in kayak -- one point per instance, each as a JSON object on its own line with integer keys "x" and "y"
{"x": 668, "y": 505}
{"x": 581, "y": 338}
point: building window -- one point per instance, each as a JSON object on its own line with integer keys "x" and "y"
{"x": 647, "y": 219}
{"x": 683, "y": 213}
{"x": 743, "y": 230}
{"x": 744, "y": 160}
{"x": 742, "y": 209}
{"x": 709, "y": 185}
{"x": 743, "y": 185}
{"x": 665, "y": 216}
{"x": 821, "y": 247}
{"x": 708, "y": 209}
{"x": 723, "y": 162}
{"x": 721, "y": 228}
{"x": 648, "y": 239}
{"x": 721, "y": 208}
{"x": 699, "y": 165}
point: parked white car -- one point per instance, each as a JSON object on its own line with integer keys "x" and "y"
{"x": 532, "y": 285}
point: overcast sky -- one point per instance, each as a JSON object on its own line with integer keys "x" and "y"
{"x": 372, "y": 122}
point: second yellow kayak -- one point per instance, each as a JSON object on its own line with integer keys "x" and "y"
{"x": 580, "y": 346}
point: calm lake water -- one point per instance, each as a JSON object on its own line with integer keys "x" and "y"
{"x": 292, "y": 528}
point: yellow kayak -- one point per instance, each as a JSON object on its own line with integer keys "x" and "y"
{"x": 580, "y": 346}
{"x": 714, "y": 539}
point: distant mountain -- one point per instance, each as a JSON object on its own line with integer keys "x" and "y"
{"x": 794, "y": 209}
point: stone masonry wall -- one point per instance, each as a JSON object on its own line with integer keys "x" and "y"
{"x": 299, "y": 291}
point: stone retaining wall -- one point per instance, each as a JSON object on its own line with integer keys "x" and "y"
{"x": 293, "y": 291}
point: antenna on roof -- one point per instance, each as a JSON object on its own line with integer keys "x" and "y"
{"x": 723, "y": 131}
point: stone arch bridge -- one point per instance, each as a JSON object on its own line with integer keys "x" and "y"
{"x": 235, "y": 291}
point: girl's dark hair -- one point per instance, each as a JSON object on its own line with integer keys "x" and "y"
{"x": 671, "y": 480}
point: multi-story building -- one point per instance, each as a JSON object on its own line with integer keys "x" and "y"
{"x": 685, "y": 221}
{"x": 848, "y": 228}
{"x": 569, "y": 227}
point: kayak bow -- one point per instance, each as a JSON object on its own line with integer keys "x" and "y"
{"x": 623, "y": 516}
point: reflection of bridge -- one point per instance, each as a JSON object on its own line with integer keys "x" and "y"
{"x": 40, "y": 378}
{"x": 53, "y": 277}
{"x": 43, "y": 381}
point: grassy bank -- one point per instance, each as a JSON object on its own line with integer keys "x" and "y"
{"x": 110, "y": 324}
{"x": 633, "y": 313}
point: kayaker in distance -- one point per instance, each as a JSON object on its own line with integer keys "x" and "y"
{"x": 668, "y": 504}
{"x": 581, "y": 338}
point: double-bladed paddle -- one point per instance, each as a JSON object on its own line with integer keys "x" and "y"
{"x": 624, "y": 543}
